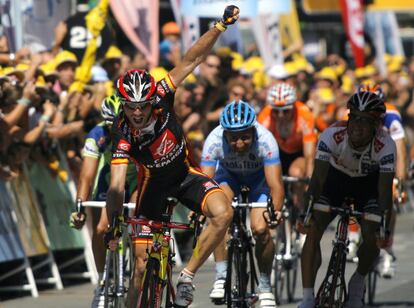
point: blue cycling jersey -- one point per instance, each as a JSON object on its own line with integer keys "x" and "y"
{"x": 235, "y": 169}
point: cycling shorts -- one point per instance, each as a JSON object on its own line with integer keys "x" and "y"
{"x": 287, "y": 159}
{"x": 259, "y": 191}
{"x": 363, "y": 190}
{"x": 192, "y": 191}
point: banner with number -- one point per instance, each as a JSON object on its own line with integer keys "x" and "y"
{"x": 30, "y": 222}
{"x": 10, "y": 245}
{"x": 56, "y": 204}
{"x": 139, "y": 21}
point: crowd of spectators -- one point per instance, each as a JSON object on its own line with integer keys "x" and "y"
{"x": 37, "y": 109}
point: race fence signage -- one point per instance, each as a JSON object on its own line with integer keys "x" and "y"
{"x": 56, "y": 204}
{"x": 10, "y": 246}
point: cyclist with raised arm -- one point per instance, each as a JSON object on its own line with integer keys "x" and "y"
{"x": 292, "y": 124}
{"x": 94, "y": 182}
{"x": 148, "y": 132}
{"x": 354, "y": 159}
{"x": 242, "y": 152}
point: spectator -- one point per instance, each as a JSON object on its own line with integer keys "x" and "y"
{"x": 170, "y": 47}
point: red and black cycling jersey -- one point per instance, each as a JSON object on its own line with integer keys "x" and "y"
{"x": 160, "y": 150}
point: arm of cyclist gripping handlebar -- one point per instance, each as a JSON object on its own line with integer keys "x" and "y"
{"x": 115, "y": 196}
{"x": 273, "y": 175}
{"x": 78, "y": 217}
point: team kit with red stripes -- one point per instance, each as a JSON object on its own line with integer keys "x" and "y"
{"x": 162, "y": 157}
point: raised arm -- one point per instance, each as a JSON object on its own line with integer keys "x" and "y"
{"x": 196, "y": 54}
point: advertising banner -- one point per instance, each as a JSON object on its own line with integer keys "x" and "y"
{"x": 248, "y": 8}
{"x": 10, "y": 245}
{"x": 267, "y": 34}
{"x": 56, "y": 204}
{"x": 29, "y": 220}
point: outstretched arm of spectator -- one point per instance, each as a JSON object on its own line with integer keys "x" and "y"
{"x": 60, "y": 32}
{"x": 66, "y": 130}
{"x": 32, "y": 136}
{"x": 196, "y": 54}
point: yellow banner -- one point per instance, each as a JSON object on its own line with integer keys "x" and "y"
{"x": 289, "y": 27}
{"x": 332, "y": 6}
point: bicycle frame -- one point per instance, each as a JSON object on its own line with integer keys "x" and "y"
{"x": 161, "y": 252}
{"x": 241, "y": 242}
{"x": 328, "y": 295}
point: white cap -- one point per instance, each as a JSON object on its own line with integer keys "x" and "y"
{"x": 277, "y": 71}
{"x": 99, "y": 74}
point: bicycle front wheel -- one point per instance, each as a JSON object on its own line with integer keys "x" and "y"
{"x": 279, "y": 272}
{"x": 237, "y": 278}
{"x": 371, "y": 286}
{"x": 150, "y": 294}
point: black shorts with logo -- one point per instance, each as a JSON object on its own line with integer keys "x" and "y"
{"x": 192, "y": 192}
{"x": 363, "y": 190}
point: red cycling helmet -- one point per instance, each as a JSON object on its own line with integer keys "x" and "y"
{"x": 135, "y": 88}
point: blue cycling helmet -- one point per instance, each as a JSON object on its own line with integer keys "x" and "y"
{"x": 237, "y": 116}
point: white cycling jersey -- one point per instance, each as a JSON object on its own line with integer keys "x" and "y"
{"x": 263, "y": 151}
{"x": 333, "y": 146}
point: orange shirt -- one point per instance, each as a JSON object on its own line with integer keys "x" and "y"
{"x": 303, "y": 127}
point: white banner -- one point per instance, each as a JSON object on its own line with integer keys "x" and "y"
{"x": 190, "y": 31}
{"x": 248, "y": 8}
{"x": 40, "y": 18}
{"x": 266, "y": 31}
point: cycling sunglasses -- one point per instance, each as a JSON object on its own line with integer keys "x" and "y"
{"x": 134, "y": 105}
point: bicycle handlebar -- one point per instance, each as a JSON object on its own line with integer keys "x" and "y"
{"x": 102, "y": 204}
{"x": 154, "y": 224}
{"x": 236, "y": 204}
{"x": 347, "y": 211}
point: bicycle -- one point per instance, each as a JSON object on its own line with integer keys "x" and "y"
{"x": 157, "y": 284}
{"x": 332, "y": 292}
{"x": 119, "y": 264}
{"x": 241, "y": 264}
{"x": 287, "y": 254}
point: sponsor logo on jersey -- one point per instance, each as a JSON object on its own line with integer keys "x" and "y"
{"x": 124, "y": 146}
{"x": 161, "y": 90}
{"x": 339, "y": 136}
{"x": 323, "y": 147}
{"x": 323, "y": 157}
{"x": 378, "y": 145}
{"x": 163, "y": 145}
{"x": 387, "y": 159}
{"x": 165, "y": 85}
{"x": 209, "y": 185}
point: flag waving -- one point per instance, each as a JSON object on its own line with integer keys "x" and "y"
{"x": 353, "y": 19}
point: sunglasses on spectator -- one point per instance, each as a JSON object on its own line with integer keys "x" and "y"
{"x": 239, "y": 94}
{"x": 212, "y": 65}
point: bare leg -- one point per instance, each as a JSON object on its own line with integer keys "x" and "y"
{"x": 220, "y": 213}
{"x": 140, "y": 263}
{"x": 265, "y": 248}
